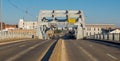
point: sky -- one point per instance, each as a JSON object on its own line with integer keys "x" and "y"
{"x": 95, "y": 11}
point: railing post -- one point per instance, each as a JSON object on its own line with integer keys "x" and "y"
{"x": 113, "y": 35}
{"x": 99, "y": 36}
{"x": 119, "y": 36}
{"x": 103, "y": 36}
{"x": 108, "y": 36}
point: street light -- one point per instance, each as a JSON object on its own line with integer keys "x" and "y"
{"x": 1, "y": 13}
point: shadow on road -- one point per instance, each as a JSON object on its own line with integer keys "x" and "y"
{"x": 107, "y": 43}
{"x": 49, "y": 52}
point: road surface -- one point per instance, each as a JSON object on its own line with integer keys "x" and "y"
{"x": 30, "y": 50}
{"x": 75, "y": 50}
{"x": 84, "y": 50}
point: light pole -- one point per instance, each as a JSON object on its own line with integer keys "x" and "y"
{"x": 1, "y": 14}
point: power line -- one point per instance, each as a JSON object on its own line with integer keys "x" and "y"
{"x": 20, "y": 9}
{"x": 15, "y": 6}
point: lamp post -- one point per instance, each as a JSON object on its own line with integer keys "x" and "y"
{"x": 0, "y": 19}
{"x": 1, "y": 14}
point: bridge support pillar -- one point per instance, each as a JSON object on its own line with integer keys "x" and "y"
{"x": 79, "y": 33}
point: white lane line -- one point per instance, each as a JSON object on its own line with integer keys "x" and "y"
{"x": 87, "y": 53}
{"x": 111, "y": 56}
{"x": 91, "y": 45}
{"x": 12, "y": 45}
{"x": 5, "y": 47}
{"x": 3, "y": 43}
{"x": 13, "y": 58}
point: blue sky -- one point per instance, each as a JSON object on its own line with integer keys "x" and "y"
{"x": 96, "y": 11}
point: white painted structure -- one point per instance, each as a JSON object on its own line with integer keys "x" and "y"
{"x": 27, "y": 24}
{"x": 115, "y": 31}
{"x": 92, "y": 29}
{"x": 47, "y": 18}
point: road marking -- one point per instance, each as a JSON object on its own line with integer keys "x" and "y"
{"x": 91, "y": 45}
{"x": 13, "y": 58}
{"x": 111, "y": 56}
{"x": 3, "y": 43}
{"x": 5, "y": 47}
{"x": 87, "y": 53}
{"x": 12, "y": 45}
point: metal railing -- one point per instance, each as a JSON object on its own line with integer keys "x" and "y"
{"x": 14, "y": 35}
{"x": 110, "y": 37}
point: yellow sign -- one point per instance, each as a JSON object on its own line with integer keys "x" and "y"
{"x": 71, "y": 20}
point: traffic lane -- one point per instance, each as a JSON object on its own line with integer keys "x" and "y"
{"x": 10, "y": 42}
{"x": 74, "y": 53}
{"x": 111, "y": 48}
{"x": 5, "y": 53}
{"x": 17, "y": 43}
{"x": 100, "y": 51}
{"x": 16, "y": 48}
{"x": 37, "y": 53}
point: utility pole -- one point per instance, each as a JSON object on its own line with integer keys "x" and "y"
{"x": 1, "y": 14}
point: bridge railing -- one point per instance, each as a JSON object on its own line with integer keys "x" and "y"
{"x": 110, "y": 37}
{"x": 14, "y": 35}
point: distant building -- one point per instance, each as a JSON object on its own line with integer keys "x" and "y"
{"x": 9, "y": 26}
{"x": 92, "y": 29}
{"x": 27, "y": 24}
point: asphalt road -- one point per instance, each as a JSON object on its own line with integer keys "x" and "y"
{"x": 76, "y": 50}
{"x": 30, "y": 50}
{"x": 84, "y": 50}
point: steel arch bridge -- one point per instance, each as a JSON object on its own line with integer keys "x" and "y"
{"x": 63, "y": 18}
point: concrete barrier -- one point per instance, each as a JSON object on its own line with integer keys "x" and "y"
{"x": 116, "y": 37}
{"x": 56, "y": 55}
{"x": 109, "y": 38}
{"x": 12, "y": 35}
{"x": 59, "y": 52}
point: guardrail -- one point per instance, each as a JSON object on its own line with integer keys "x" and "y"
{"x": 111, "y": 37}
{"x": 13, "y": 35}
